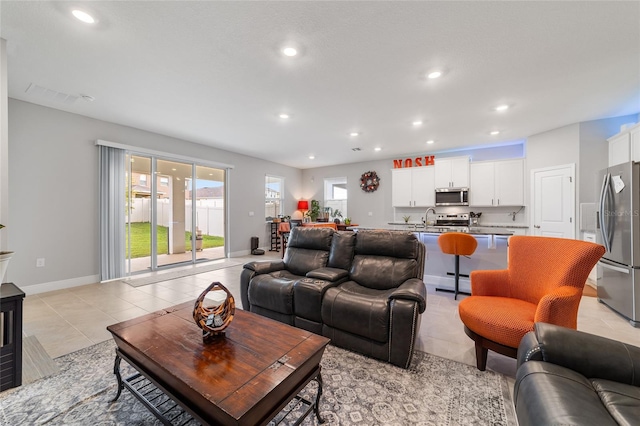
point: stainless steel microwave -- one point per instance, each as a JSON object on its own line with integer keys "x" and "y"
{"x": 452, "y": 196}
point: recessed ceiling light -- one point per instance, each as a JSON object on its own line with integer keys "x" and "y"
{"x": 495, "y": 132}
{"x": 174, "y": 169}
{"x": 290, "y": 51}
{"x": 354, "y": 134}
{"x": 377, "y": 148}
{"x": 311, "y": 157}
{"x": 434, "y": 74}
{"x": 417, "y": 123}
{"x": 430, "y": 141}
{"x": 284, "y": 115}
{"x": 502, "y": 107}
{"x": 83, "y": 16}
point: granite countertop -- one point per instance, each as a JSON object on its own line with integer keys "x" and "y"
{"x": 421, "y": 225}
{"x": 481, "y": 230}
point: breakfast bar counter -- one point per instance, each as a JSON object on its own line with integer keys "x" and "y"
{"x": 491, "y": 252}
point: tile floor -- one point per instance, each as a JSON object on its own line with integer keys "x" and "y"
{"x": 67, "y": 320}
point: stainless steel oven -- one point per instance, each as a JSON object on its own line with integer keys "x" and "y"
{"x": 452, "y": 196}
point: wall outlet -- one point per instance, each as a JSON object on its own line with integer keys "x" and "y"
{"x": 370, "y": 213}
{"x": 250, "y": 214}
{"x": 40, "y": 262}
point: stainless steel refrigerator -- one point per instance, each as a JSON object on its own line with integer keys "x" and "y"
{"x": 618, "y": 229}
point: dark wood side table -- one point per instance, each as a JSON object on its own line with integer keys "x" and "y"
{"x": 11, "y": 298}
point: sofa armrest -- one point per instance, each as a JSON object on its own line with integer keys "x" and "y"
{"x": 328, "y": 274}
{"x": 529, "y": 349}
{"x": 250, "y": 270}
{"x": 264, "y": 267}
{"x": 590, "y": 355}
{"x": 412, "y": 289}
{"x": 490, "y": 283}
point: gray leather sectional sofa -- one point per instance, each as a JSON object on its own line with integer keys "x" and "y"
{"x": 567, "y": 377}
{"x": 363, "y": 290}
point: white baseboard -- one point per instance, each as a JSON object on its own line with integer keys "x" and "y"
{"x": 59, "y": 285}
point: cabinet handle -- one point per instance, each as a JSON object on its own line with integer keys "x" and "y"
{"x": 536, "y": 226}
{"x": 498, "y": 201}
{"x": 492, "y": 201}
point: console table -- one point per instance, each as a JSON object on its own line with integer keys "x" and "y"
{"x": 10, "y": 336}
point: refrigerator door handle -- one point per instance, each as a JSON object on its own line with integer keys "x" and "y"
{"x": 605, "y": 264}
{"x": 601, "y": 215}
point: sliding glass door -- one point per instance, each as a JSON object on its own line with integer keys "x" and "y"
{"x": 138, "y": 213}
{"x": 175, "y": 213}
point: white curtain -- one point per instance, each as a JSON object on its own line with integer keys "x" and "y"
{"x": 112, "y": 207}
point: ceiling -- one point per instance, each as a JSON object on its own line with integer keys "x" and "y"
{"x": 213, "y": 72}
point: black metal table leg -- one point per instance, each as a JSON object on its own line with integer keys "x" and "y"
{"x": 116, "y": 371}
{"x": 316, "y": 407}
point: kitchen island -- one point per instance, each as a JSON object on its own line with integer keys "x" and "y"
{"x": 491, "y": 252}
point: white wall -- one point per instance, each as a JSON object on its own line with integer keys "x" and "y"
{"x": 53, "y": 201}
{"x": 594, "y": 151}
{"x": 583, "y": 144}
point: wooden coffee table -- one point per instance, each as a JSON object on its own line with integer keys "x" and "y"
{"x": 244, "y": 378}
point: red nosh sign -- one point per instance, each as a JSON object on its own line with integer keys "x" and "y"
{"x": 427, "y": 160}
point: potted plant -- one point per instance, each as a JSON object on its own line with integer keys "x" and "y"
{"x": 5, "y": 256}
{"x": 336, "y": 215}
{"x": 314, "y": 210}
{"x": 347, "y": 221}
{"x": 406, "y": 218}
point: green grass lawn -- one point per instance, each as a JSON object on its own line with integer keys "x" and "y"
{"x": 141, "y": 240}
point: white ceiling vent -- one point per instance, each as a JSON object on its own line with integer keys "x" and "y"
{"x": 50, "y": 95}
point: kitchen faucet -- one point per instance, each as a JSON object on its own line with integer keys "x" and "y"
{"x": 427, "y": 214}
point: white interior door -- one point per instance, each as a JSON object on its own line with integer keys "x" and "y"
{"x": 553, "y": 199}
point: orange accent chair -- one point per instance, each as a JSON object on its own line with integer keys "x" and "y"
{"x": 543, "y": 282}
{"x": 457, "y": 244}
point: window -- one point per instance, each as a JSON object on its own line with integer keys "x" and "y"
{"x": 164, "y": 181}
{"x": 143, "y": 180}
{"x": 335, "y": 194}
{"x": 274, "y": 196}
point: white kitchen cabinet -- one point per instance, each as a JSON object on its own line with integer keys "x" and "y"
{"x": 619, "y": 149}
{"x": 497, "y": 183}
{"x": 413, "y": 187}
{"x": 452, "y": 172}
{"x": 482, "y": 189}
{"x": 625, "y": 146}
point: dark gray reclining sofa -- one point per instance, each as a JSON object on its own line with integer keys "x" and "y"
{"x": 567, "y": 377}
{"x": 363, "y": 290}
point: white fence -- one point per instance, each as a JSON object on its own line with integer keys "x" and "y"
{"x": 209, "y": 214}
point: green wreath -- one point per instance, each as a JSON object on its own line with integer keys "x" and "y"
{"x": 369, "y": 181}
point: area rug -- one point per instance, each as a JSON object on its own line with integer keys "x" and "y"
{"x": 172, "y": 275}
{"x": 357, "y": 391}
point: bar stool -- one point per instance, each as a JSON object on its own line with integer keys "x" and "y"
{"x": 457, "y": 244}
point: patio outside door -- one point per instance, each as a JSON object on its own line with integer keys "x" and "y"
{"x": 173, "y": 244}
{"x": 175, "y": 213}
